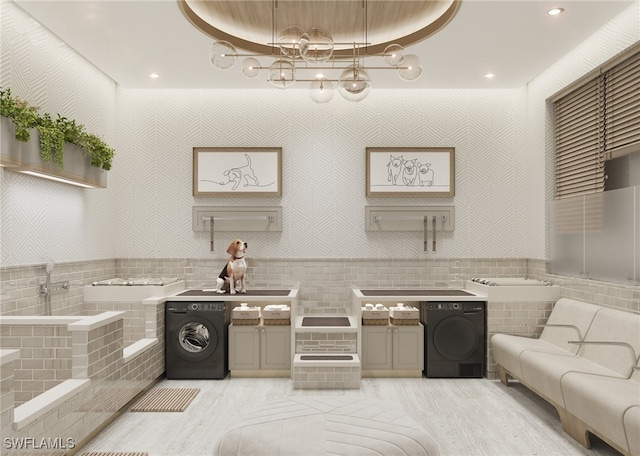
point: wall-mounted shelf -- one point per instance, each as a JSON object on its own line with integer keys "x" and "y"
{"x": 25, "y": 157}
{"x": 408, "y": 218}
{"x": 256, "y": 218}
{"x": 253, "y": 218}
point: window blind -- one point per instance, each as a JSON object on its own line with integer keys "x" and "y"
{"x": 579, "y": 159}
{"x": 596, "y": 121}
{"x": 622, "y": 108}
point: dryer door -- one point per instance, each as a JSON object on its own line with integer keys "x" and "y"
{"x": 193, "y": 338}
{"x": 456, "y": 338}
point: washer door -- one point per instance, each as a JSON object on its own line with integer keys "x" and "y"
{"x": 194, "y": 338}
{"x": 456, "y": 338}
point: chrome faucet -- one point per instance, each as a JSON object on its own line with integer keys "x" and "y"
{"x": 45, "y": 289}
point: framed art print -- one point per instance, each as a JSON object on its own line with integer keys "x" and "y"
{"x": 237, "y": 171}
{"x": 411, "y": 171}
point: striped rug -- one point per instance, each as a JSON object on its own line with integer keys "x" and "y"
{"x": 166, "y": 400}
{"x": 115, "y": 453}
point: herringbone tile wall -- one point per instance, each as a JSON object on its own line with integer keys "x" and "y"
{"x": 323, "y": 147}
{"x": 503, "y": 171}
{"x": 41, "y": 219}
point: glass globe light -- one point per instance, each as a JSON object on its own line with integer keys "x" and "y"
{"x": 354, "y": 83}
{"x": 413, "y": 68}
{"x": 289, "y": 40}
{"x": 321, "y": 91}
{"x": 223, "y": 55}
{"x": 316, "y": 45}
{"x": 393, "y": 55}
{"x": 250, "y": 67}
{"x": 282, "y": 74}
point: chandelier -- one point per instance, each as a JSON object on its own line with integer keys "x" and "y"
{"x": 300, "y": 53}
{"x": 368, "y": 38}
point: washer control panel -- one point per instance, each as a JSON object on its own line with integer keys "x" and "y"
{"x": 180, "y": 307}
{"x": 443, "y": 305}
{"x": 206, "y": 306}
{"x": 464, "y": 306}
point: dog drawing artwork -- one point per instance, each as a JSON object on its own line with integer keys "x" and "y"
{"x": 242, "y": 175}
{"x": 426, "y": 174}
{"x": 410, "y": 172}
{"x": 233, "y": 276}
{"x": 394, "y": 168}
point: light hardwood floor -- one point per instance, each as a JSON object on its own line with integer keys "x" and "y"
{"x": 465, "y": 416}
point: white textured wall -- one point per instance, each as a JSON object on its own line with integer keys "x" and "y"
{"x": 502, "y": 169}
{"x": 323, "y": 169}
{"x": 41, "y": 219}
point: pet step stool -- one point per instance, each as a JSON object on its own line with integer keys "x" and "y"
{"x": 326, "y": 371}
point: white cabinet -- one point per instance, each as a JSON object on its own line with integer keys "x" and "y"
{"x": 259, "y": 347}
{"x": 408, "y": 347}
{"x": 377, "y": 347}
{"x": 393, "y": 347}
{"x": 275, "y": 347}
{"x": 244, "y": 347}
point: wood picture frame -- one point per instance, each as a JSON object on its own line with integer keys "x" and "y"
{"x": 410, "y": 171}
{"x": 237, "y": 171}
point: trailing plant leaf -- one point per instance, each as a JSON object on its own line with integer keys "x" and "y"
{"x": 101, "y": 154}
{"x": 51, "y": 141}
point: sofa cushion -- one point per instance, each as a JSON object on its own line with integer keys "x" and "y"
{"x": 569, "y": 312}
{"x": 631, "y": 426}
{"x": 601, "y": 402}
{"x": 544, "y": 371}
{"x": 613, "y": 325}
{"x": 507, "y": 348}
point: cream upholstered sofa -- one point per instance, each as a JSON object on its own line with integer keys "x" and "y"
{"x": 585, "y": 363}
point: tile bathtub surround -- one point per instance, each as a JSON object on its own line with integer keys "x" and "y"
{"x": 8, "y": 360}
{"x": 134, "y": 317}
{"x": 45, "y": 357}
{"x": 97, "y": 354}
{"x": 325, "y": 283}
{"x": 20, "y": 286}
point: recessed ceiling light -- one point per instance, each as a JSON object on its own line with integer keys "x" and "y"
{"x": 555, "y": 11}
{"x": 489, "y": 75}
{"x": 154, "y": 75}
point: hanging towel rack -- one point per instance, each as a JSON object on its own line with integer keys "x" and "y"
{"x": 411, "y": 218}
{"x": 224, "y": 219}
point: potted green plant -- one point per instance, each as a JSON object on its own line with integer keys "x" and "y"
{"x": 54, "y": 133}
{"x": 24, "y": 117}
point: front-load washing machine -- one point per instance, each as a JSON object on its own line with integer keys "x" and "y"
{"x": 196, "y": 340}
{"x": 455, "y": 342}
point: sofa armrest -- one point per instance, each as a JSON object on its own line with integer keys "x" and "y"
{"x": 557, "y": 326}
{"x": 632, "y": 352}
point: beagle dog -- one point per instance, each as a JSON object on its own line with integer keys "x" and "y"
{"x": 234, "y": 274}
